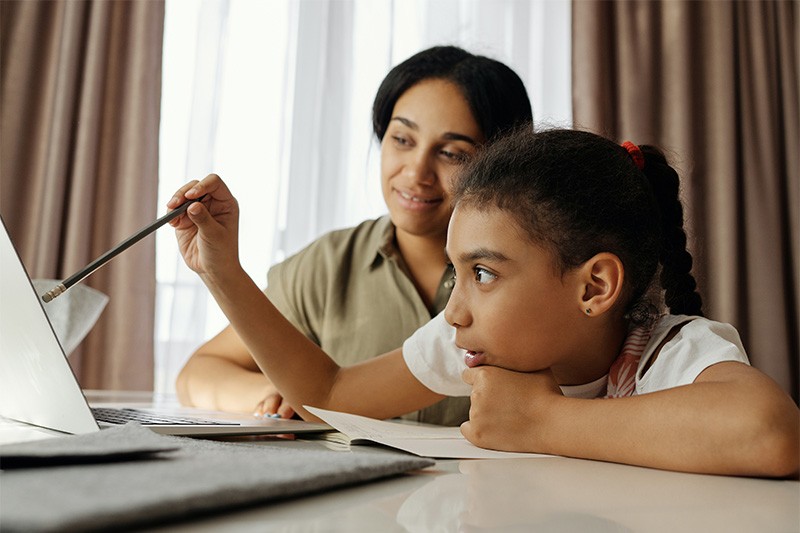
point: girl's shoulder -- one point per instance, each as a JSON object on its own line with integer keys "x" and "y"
{"x": 692, "y": 329}
{"x": 681, "y": 347}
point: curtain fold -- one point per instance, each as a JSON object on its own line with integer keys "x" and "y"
{"x": 80, "y": 86}
{"x": 716, "y": 85}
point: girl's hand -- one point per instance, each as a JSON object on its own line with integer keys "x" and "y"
{"x": 508, "y": 408}
{"x": 208, "y": 232}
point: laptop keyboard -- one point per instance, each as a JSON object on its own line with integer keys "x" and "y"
{"x": 123, "y": 416}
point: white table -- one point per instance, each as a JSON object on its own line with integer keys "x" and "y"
{"x": 547, "y": 494}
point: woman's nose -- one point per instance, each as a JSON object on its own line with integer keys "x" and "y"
{"x": 420, "y": 168}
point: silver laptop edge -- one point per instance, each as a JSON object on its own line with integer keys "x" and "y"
{"x": 38, "y": 386}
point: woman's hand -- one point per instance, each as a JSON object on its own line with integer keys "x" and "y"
{"x": 208, "y": 232}
{"x": 273, "y": 404}
{"x": 508, "y": 408}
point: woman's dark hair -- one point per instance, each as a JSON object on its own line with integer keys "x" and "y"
{"x": 580, "y": 194}
{"x": 495, "y": 94}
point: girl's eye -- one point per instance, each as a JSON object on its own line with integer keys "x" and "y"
{"x": 483, "y": 276}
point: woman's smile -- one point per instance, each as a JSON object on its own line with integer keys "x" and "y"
{"x": 417, "y": 202}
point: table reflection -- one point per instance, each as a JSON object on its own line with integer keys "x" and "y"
{"x": 559, "y": 494}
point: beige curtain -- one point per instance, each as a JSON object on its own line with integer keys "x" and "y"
{"x": 716, "y": 85}
{"x": 80, "y": 86}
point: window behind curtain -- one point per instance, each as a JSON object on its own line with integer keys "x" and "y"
{"x": 276, "y": 97}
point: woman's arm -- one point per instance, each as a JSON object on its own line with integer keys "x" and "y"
{"x": 222, "y": 375}
{"x": 207, "y": 234}
{"x": 732, "y": 420}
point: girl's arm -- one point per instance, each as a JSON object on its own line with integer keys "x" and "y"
{"x": 381, "y": 387}
{"x": 732, "y": 420}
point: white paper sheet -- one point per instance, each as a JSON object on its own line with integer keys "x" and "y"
{"x": 425, "y": 441}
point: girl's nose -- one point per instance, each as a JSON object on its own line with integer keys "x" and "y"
{"x": 456, "y": 313}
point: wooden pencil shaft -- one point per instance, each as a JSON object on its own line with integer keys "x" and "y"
{"x": 118, "y": 249}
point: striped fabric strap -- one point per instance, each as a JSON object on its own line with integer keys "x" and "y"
{"x": 622, "y": 375}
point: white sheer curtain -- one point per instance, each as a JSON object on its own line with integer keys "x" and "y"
{"x": 276, "y": 98}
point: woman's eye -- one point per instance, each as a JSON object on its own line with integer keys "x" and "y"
{"x": 454, "y": 157}
{"x": 402, "y": 141}
{"x": 483, "y": 276}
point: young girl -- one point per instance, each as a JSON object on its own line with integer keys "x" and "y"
{"x": 361, "y": 291}
{"x": 552, "y": 328}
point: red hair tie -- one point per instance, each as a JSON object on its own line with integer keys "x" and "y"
{"x": 635, "y": 153}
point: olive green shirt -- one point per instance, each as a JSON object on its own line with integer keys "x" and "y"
{"x": 350, "y": 293}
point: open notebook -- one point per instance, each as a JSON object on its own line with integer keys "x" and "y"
{"x": 37, "y": 385}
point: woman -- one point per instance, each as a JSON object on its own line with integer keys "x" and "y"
{"x": 362, "y": 291}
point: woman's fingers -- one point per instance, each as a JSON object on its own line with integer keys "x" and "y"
{"x": 269, "y": 407}
{"x": 285, "y": 410}
{"x": 273, "y": 406}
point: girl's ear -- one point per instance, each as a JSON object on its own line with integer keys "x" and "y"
{"x": 602, "y": 279}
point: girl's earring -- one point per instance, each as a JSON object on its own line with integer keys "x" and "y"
{"x": 588, "y": 311}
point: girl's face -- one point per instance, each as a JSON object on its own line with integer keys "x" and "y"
{"x": 431, "y": 133}
{"x": 510, "y": 306}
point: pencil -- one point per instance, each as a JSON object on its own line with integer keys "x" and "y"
{"x": 115, "y": 251}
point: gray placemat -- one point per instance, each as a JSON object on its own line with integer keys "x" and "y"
{"x": 116, "y": 444}
{"x": 198, "y": 476}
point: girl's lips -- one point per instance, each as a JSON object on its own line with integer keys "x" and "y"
{"x": 473, "y": 359}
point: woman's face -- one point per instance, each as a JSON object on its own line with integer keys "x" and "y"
{"x": 431, "y": 133}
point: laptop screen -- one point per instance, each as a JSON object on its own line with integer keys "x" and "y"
{"x": 37, "y": 384}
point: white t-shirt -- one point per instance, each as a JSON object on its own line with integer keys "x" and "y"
{"x": 432, "y": 356}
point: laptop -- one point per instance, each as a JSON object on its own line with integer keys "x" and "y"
{"x": 38, "y": 387}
